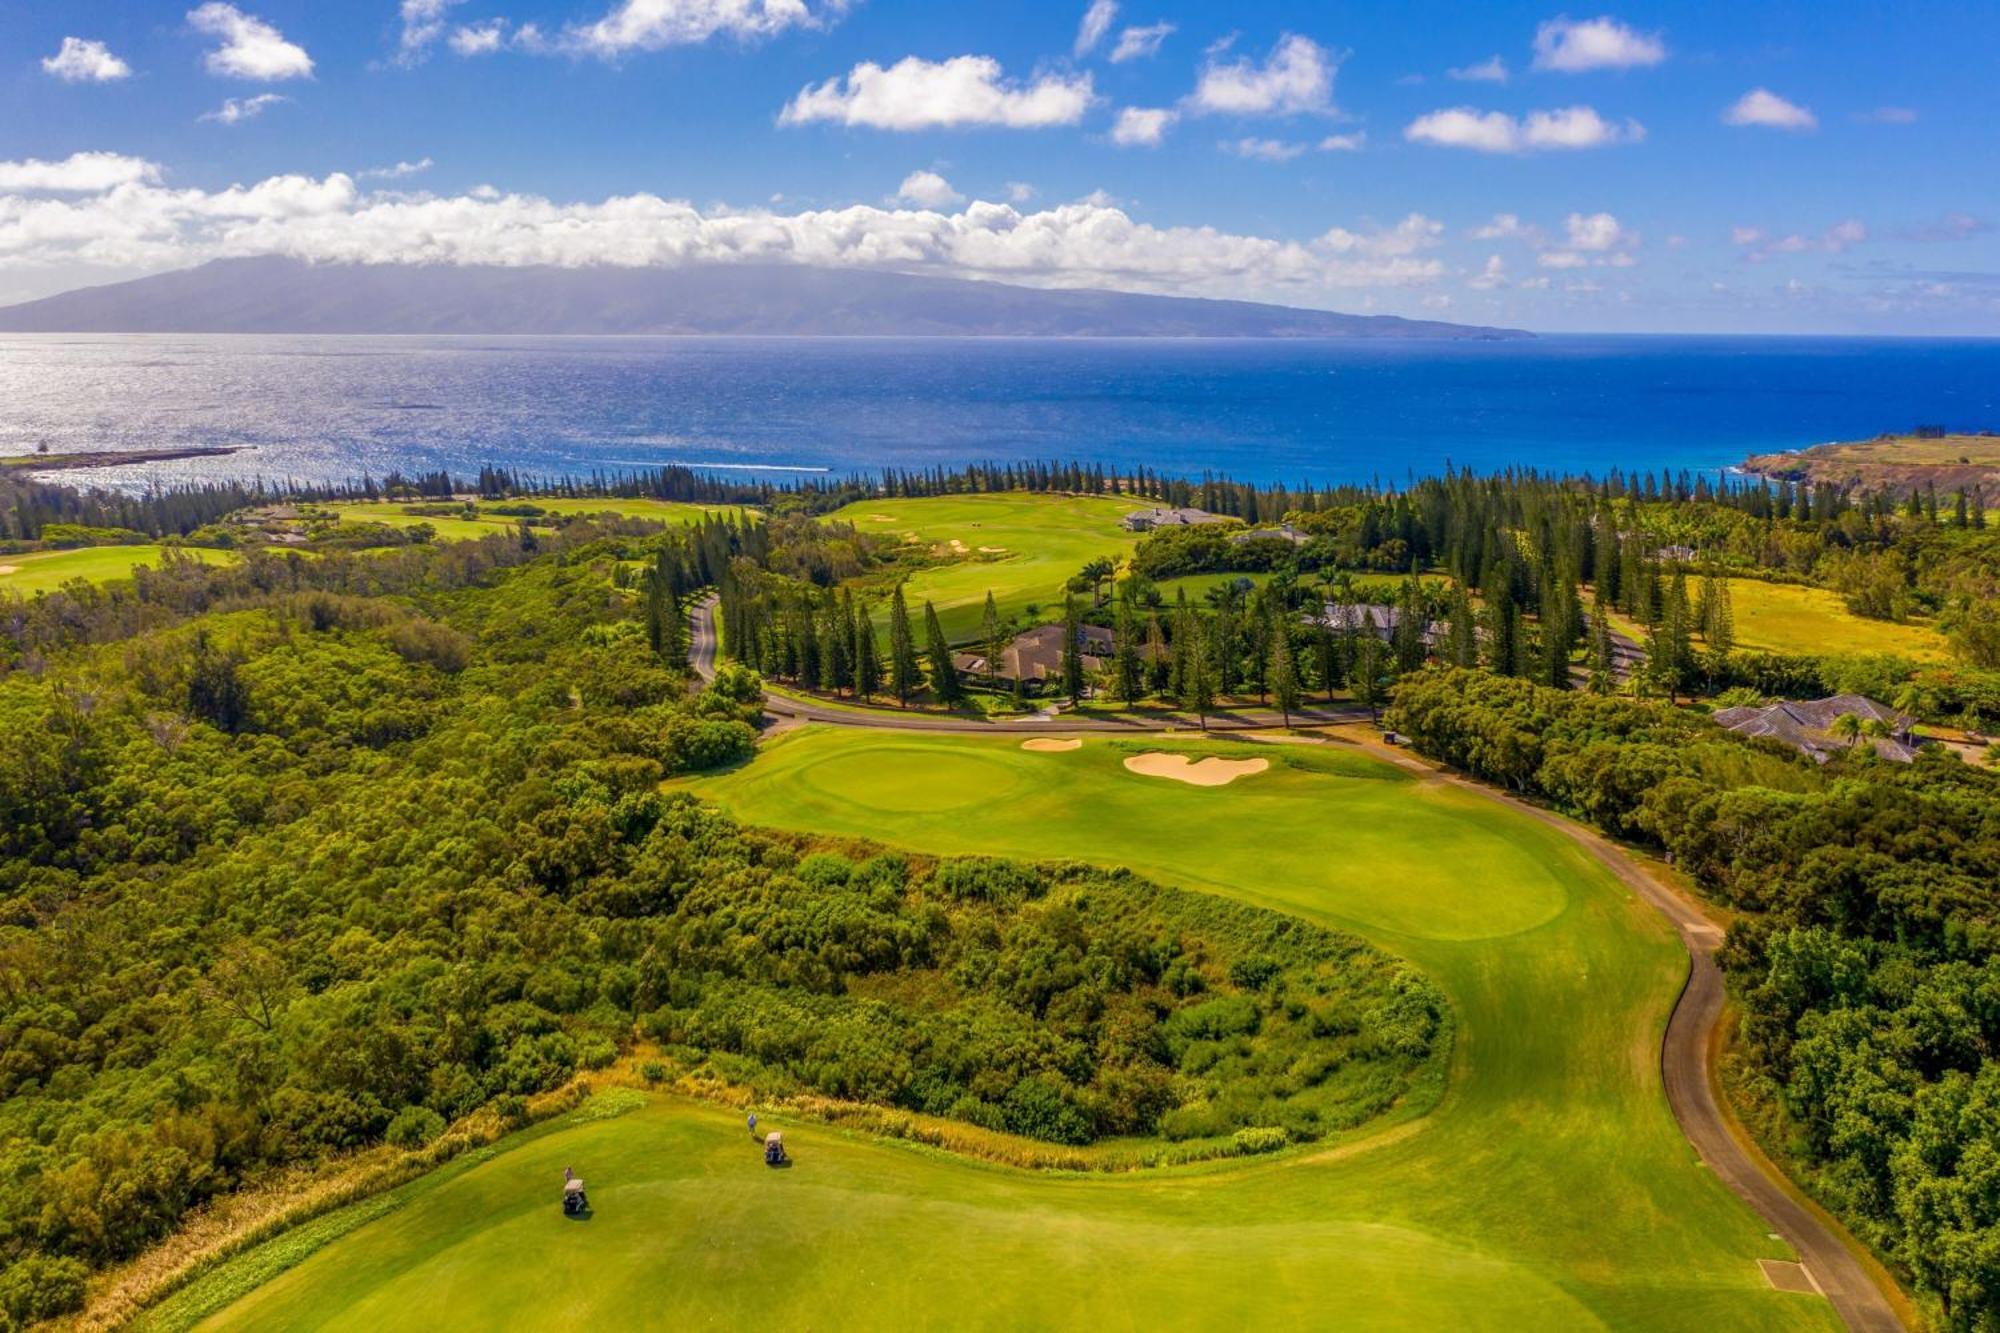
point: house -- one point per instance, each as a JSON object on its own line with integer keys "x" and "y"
{"x": 1146, "y": 520}
{"x": 1036, "y": 656}
{"x": 1807, "y": 726}
{"x": 1676, "y": 555}
{"x": 1374, "y": 618}
{"x": 1296, "y": 536}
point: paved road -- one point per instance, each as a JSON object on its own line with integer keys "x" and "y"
{"x": 1684, "y": 1055}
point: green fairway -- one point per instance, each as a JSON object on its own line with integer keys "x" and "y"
{"x": 45, "y": 571}
{"x": 1021, "y": 546}
{"x": 1549, "y": 1189}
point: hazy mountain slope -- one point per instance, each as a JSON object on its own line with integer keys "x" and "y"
{"x": 274, "y": 295}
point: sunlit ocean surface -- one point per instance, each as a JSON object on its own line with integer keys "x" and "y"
{"x": 331, "y": 408}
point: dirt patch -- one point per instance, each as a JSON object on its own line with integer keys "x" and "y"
{"x": 1787, "y": 1276}
{"x": 879, "y": 518}
{"x": 9, "y": 569}
{"x": 1209, "y": 772}
{"x": 1049, "y": 744}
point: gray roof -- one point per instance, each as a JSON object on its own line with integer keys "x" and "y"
{"x": 1171, "y": 518}
{"x": 1807, "y": 725}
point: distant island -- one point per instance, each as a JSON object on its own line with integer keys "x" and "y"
{"x": 277, "y": 295}
{"x": 1897, "y": 463}
{"x": 115, "y": 457}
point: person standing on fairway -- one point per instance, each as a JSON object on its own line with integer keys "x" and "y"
{"x": 753, "y": 1124}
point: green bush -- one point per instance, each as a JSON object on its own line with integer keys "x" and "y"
{"x": 1260, "y": 1138}
{"x": 414, "y": 1126}
{"x": 42, "y": 1286}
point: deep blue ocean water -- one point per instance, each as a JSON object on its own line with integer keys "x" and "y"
{"x": 339, "y": 407}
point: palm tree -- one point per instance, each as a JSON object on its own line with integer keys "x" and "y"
{"x": 1097, "y": 571}
{"x": 1848, "y": 728}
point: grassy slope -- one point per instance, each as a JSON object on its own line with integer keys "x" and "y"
{"x": 1550, "y": 1189}
{"x": 1045, "y": 539}
{"x": 1785, "y": 618}
{"x": 45, "y": 571}
{"x": 390, "y": 512}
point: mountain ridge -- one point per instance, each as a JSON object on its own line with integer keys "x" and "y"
{"x": 277, "y": 295}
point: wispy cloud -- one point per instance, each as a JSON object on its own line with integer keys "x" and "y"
{"x": 1141, "y": 43}
{"x": 1490, "y": 70}
{"x": 400, "y": 171}
{"x": 1091, "y": 29}
{"x": 237, "y": 109}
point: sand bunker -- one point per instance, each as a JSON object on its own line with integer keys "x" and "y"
{"x": 9, "y": 569}
{"x": 1210, "y": 772}
{"x": 957, "y": 546}
{"x": 1049, "y": 744}
{"x": 994, "y": 550}
{"x": 880, "y": 518}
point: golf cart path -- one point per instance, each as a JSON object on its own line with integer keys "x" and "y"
{"x": 1830, "y": 1257}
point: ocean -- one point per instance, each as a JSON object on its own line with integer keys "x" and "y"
{"x": 333, "y": 408}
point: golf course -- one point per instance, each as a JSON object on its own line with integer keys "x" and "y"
{"x": 1548, "y": 1187}
{"x": 45, "y": 571}
{"x": 1021, "y": 546}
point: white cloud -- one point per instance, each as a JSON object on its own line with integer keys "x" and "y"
{"x": 136, "y": 224}
{"x": 1344, "y": 143}
{"x": 1141, "y": 43}
{"x": 1491, "y": 277}
{"x": 478, "y": 39}
{"x": 915, "y": 94}
{"x": 653, "y": 25}
{"x": 236, "y": 109}
{"x": 1298, "y": 76}
{"x": 1506, "y": 227}
{"x": 1497, "y": 132}
{"x": 1572, "y": 47}
{"x": 1019, "y": 192}
{"x": 1597, "y": 232}
{"x": 399, "y": 171}
{"x": 87, "y": 173}
{"x": 1142, "y": 126}
{"x": 1881, "y": 115}
{"x": 1761, "y": 106}
{"x": 423, "y": 24}
{"x": 1263, "y": 150}
{"x": 1490, "y": 70}
{"x": 81, "y": 60}
{"x": 1096, "y": 22}
{"x": 251, "y": 48}
{"x": 1758, "y": 245}
{"x": 926, "y": 189}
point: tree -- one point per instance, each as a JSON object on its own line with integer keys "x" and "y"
{"x": 1502, "y": 631}
{"x": 1197, "y": 674}
{"x": 1072, "y": 651}
{"x": 1158, "y": 659}
{"x": 1408, "y": 636}
{"x": 1128, "y": 678}
{"x": 838, "y": 638}
{"x": 867, "y": 666}
{"x": 216, "y": 693}
{"x": 1095, "y": 573}
{"x": 1461, "y": 636}
{"x": 1369, "y": 660}
{"x": 989, "y": 635}
{"x": 903, "y": 673}
{"x": 944, "y": 676}
{"x": 1603, "y": 655}
{"x": 1718, "y": 620}
{"x": 1326, "y": 652}
{"x": 1284, "y": 675}
{"x": 1847, "y": 727}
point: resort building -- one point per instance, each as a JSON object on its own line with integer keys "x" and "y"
{"x": 1145, "y": 520}
{"x": 1036, "y": 656}
{"x": 1809, "y": 726}
{"x": 1373, "y": 618}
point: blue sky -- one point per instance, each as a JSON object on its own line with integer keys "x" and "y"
{"x": 1767, "y": 167}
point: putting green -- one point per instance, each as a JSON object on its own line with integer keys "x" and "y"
{"x": 1549, "y": 1189}
{"x": 1022, "y": 546}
